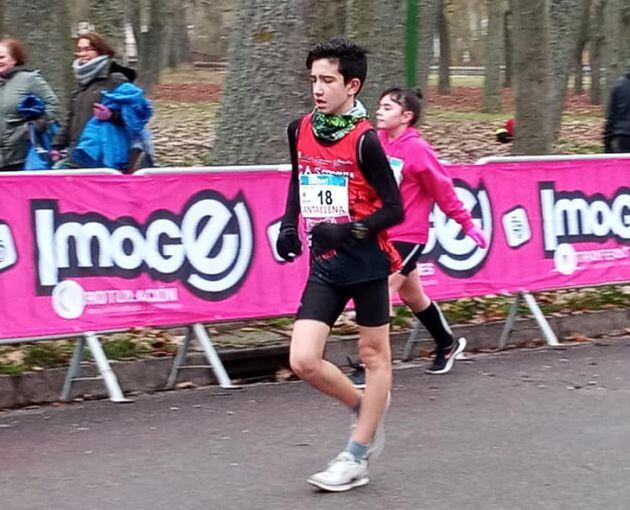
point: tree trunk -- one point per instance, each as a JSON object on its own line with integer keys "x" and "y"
{"x": 2, "y": 17}
{"x": 267, "y": 84}
{"x": 331, "y": 19}
{"x": 531, "y": 66}
{"x": 379, "y": 26}
{"x": 42, "y": 26}
{"x": 565, "y": 18}
{"x": 108, "y": 19}
{"x": 508, "y": 54}
{"x": 148, "y": 21}
{"x": 613, "y": 43}
{"x": 595, "y": 50}
{"x": 428, "y": 10}
{"x": 625, "y": 36}
{"x": 583, "y": 37}
{"x": 444, "y": 83}
{"x": 176, "y": 35}
{"x": 493, "y": 57}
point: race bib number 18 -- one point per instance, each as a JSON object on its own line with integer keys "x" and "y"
{"x": 324, "y": 197}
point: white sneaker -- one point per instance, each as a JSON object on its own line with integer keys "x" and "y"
{"x": 343, "y": 473}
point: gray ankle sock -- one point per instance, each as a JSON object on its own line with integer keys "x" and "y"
{"x": 358, "y": 450}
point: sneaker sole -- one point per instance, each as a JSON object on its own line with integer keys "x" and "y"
{"x": 451, "y": 360}
{"x": 359, "y": 482}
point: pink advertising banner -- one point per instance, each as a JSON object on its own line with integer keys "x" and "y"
{"x": 93, "y": 253}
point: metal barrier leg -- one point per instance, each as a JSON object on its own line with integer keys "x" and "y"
{"x": 510, "y": 321}
{"x": 104, "y": 368}
{"x": 179, "y": 360}
{"x": 548, "y": 333}
{"x": 212, "y": 356}
{"x": 412, "y": 339}
{"x": 73, "y": 369}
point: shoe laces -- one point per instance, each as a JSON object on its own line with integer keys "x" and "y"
{"x": 344, "y": 458}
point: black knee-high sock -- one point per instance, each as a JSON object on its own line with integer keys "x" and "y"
{"x": 435, "y": 322}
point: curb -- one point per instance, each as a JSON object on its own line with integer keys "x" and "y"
{"x": 150, "y": 375}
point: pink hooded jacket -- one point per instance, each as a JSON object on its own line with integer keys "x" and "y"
{"x": 422, "y": 181}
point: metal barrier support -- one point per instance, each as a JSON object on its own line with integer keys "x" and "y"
{"x": 214, "y": 361}
{"x": 530, "y": 301}
{"x": 412, "y": 340}
{"x": 102, "y": 363}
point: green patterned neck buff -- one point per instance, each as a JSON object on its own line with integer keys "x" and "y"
{"x": 331, "y": 128}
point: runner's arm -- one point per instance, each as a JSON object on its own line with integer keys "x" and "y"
{"x": 292, "y": 208}
{"x": 435, "y": 179}
{"x": 378, "y": 173}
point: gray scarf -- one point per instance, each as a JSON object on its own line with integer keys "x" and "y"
{"x": 85, "y": 73}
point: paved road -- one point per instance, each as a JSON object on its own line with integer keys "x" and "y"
{"x": 520, "y": 430}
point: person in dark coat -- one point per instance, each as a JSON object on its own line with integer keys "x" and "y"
{"x": 95, "y": 71}
{"x": 16, "y": 83}
{"x": 617, "y": 126}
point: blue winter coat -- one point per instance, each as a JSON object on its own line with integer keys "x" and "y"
{"x": 106, "y": 144}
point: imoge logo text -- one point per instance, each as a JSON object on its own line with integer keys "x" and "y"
{"x": 208, "y": 246}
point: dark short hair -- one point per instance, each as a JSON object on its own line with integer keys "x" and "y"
{"x": 16, "y": 50}
{"x": 351, "y": 57}
{"x": 410, "y": 100}
{"x": 98, "y": 42}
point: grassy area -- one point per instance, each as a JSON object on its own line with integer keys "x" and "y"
{"x": 568, "y": 146}
{"x": 189, "y": 74}
{"x": 434, "y": 114}
{"x": 459, "y": 81}
{"x": 478, "y": 81}
{"x": 183, "y": 132}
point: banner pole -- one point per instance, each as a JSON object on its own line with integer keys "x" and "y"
{"x": 109, "y": 377}
{"x": 509, "y": 322}
{"x": 212, "y": 356}
{"x": 73, "y": 369}
{"x": 548, "y": 333}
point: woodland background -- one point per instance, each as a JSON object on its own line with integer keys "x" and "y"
{"x": 227, "y": 76}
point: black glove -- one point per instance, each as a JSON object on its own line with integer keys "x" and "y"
{"x": 288, "y": 244}
{"x": 329, "y": 236}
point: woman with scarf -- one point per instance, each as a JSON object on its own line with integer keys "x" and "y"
{"x": 16, "y": 83}
{"x": 95, "y": 71}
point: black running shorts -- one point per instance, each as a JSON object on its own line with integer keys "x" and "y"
{"x": 324, "y": 302}
{"x": 409, "y": 253}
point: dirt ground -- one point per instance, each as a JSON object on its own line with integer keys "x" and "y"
{"x": 187, "y": 100}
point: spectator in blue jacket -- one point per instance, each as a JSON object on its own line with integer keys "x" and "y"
{"x": 111, "y": 144}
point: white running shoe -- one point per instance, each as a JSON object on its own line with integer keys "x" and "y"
{"x": 343, "y": 473}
